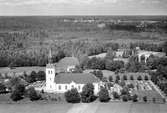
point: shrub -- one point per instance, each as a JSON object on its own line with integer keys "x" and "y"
{"x": 32, "y": 94}
{"x": 116, "y": 95}
{"x": 104, "y": 95}
{"x": 145, "y": 98}
{"x": 72, "y": 96}
{"x": 125, "y": 98}
{"x": 87, "y": 94}
{"x": 135, "y": 98}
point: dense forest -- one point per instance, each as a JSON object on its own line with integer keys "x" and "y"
{"x": 26, "y": 41}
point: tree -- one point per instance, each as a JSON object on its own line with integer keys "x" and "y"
{"x": 18, "y": 92}
{"x": 95, "y": 63}
{"x": 32, "y": 94}
{"x": 110, "y": 78}
{"x": 110, "y": 55}
{"x": 125, "y": 98}
{"x": 98, "y": 74}
{"x": 122, "y": 83}
{"x": 104, "y": 79}
{"x": 124, "y": 77}
{"x": 139, "y": 78}
{"x": 115, "y": 95}
{"x": 131, "y": 77}
{"x": 146, "y": 77}
{"x": 118, "y": 77}
{"x": 72, "y": 96}
{"x": 134, "y": 66}
{"x": 145, "y": 98}
{"x": 125, "y": 91}
{"x": 32, "y": 77}
{"x": 78, "y": 69}
{"x": 154, "y": 99}
{"x": 130, "y": 86}
{"x": 2, "y": 88}
{"x": 87, "y": 94}
{"x": 14, "y": 82}
{"x": 165, "y": 47}
{"x": 153, "y": 62}
{"x": 135, "y": 98}
{"x": 40, "y": 76}
{"x": 104, "y": 95}
{"x": 114, "y": 65}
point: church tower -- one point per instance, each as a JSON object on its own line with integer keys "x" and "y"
{"x": 50, "y": 74}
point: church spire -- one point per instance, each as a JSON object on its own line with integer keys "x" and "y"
{"x": 50, "y": 56}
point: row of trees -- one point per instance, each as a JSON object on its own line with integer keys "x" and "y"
{"x": 87, "y": 95}
{"x": 33, "y": 77}
{"x": 111, "y": 79}
{"x": 102, "y": 64}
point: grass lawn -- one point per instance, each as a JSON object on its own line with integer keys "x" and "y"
{"x": 34, "y": 108}
{"x": 111, "y": 107}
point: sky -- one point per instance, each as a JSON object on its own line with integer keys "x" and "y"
{"x": 82, "y": 7}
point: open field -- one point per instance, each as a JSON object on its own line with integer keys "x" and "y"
{"x": 84, "y": 108}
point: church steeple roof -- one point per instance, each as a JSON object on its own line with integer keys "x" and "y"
{"x": 50, "y": 56}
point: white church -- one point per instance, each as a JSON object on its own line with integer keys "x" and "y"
{"x": 59, "y": 77}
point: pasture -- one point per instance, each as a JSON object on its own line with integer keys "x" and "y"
{"x": 111, "y": 107}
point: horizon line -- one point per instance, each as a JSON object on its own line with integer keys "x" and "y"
{"x": 85, "y": 15}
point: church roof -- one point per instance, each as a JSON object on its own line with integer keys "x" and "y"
{"x": 80, "y": 78}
